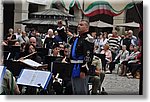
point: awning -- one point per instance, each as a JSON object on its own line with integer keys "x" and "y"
{"x": 53, "y": 12}
{"x": 100, "y": 24}
{"x": 129, "y": 24}
{"x": 45, "y": 22}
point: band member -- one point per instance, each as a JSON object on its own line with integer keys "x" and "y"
{"x": 9, "y": 85}
{"x": 81, "y": 55}
{"x": 61, "y": 32}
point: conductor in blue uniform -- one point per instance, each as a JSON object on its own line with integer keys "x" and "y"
{"x": 81, "y": 56}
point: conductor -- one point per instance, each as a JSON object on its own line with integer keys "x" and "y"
{"x": 81, "y": 56}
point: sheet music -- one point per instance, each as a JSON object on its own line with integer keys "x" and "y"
{"x": 31, "y": 63}
{"x": 34, "y": 77}
{"x": 2, "y": 73}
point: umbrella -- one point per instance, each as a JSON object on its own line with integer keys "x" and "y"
{"x": 129, "y": 24}
{"x": 100, "y": 24}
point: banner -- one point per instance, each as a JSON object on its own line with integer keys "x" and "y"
{"x": 94, "y": 7}
{"x": 42, "y": 2}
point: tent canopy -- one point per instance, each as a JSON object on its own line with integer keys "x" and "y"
{"x": 100, "y": 24}
{"x": 129, "y": 24}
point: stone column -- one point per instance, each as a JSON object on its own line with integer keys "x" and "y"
{"x": 119, "y": 20}
{"x": 20, "y": 13}
{"x": 78, "y": 14}
{"x": 1, "y": 29}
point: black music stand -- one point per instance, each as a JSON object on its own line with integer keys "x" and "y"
{"x": 42, "y": 52}
{"x": 64, "y": 69}
{"x": 14, "y": 50}
{"x": 65, "y": 72}
{"x": 50, "y": 59}
{"x": 13, "y": 66}
{"x": 6, "y": 55}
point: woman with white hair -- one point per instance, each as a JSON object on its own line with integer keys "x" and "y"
{"x": 49, "y": 39}
{"x": 123, "y": 55}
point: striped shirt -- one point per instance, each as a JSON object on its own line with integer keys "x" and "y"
{"x": 114, "y": 42}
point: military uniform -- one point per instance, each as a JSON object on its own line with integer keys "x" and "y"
{"x": 81, "y": 56}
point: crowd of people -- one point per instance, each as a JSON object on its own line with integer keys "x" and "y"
{"x": 80, "y": 49}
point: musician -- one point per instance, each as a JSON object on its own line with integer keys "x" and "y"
{"x": 9, "y": 86}
{"x": 61, "y": 32}
{"x": 66, "y": 52}
{"x": 29, "y": 49}
{"x": 98, "y": 76}
{"x": 81, "y": 55}
{"x": 56, "y": 50}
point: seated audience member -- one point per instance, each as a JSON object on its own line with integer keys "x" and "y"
{"x": 98, "y": 77}
{"x": 123, "y": 54}
{"x": 127, "y": 41}
{"x": 108, "y": 56}
{"x": 132, "y": 56}
{"x": 131, "y": 49}
{"x": 135, "y": 63}
{"x": 9, "y": 86}
{"x": 18, "y": 33}
{"x": 23, "y": 38}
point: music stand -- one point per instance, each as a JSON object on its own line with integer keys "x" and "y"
{"x": 34, "y": 78}
{"x": 13, "y": 66}
{"x": 50, "y": 59}
{"x": 6, "y": 55}
{"x": 64, "y": 69}
{"x": 6, "y": 48}
{"x": 14, "y": 50}
{"x": 42, "y": 52}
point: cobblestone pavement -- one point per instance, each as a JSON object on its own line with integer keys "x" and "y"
{"x": 118, "y": 85}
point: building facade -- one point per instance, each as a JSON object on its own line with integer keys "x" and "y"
{"x": 15, "y": 11}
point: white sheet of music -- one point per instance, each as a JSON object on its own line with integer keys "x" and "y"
{"x": 34, "y": 77}
{"x": 31, "y": 63}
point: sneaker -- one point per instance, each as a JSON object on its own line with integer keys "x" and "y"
{"x": 107, "y": 72}
{"x": 129, "y": 74}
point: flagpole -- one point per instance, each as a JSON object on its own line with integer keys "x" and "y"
{"x": 83, "y": 9}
